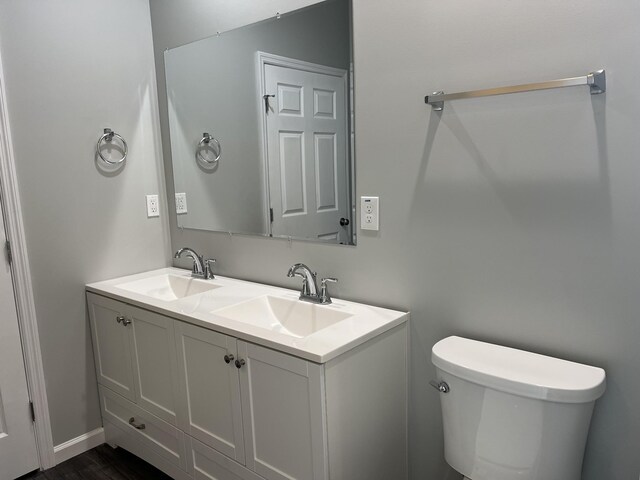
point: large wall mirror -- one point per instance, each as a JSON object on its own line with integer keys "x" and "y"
{"x": 261, "y": 127}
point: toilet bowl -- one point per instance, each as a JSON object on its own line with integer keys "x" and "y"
{"x": 513, "y": 415}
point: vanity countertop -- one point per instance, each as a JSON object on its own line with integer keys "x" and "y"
{"x": 207, "y": 309}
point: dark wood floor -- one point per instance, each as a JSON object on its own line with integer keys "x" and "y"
{"x": 101, "y": 463}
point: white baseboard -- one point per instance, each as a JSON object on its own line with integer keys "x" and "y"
{"x": 78, "y": 445}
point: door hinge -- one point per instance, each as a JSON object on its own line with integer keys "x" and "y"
{"x": 271, "y": 214}
{"x": 7, "y": 247}
{"x": 33, "y": 412}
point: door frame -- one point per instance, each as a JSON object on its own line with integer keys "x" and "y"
{"x": 23, "y": 289}
{"x": 262, "y": 60}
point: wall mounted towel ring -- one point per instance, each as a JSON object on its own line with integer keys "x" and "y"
{"x": 108, "y": 137}
{"x": 206, "y": 141}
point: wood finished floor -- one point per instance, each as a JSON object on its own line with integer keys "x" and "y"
{"x": 101, "y": 463}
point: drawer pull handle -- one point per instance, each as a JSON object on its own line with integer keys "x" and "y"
{"x": 240, "y": 363}
{"x": 228, "y": 358}
{"x": 124, "y": 321}
{"x": 137, "y": 426}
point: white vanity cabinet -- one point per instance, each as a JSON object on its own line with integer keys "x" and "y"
{"x": 202, "y": 405}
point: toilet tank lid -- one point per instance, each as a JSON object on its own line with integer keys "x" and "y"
{"x": 518, "y": 372}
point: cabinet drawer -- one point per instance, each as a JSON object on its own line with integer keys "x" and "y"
{"x": 204, "y": 463}
{"x": 130, "y": 442}
{"x": 155, "y": 435}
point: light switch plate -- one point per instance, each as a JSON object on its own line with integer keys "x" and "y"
{"x": 181, "y": 203}
{"x": 370, "y": 213}
{"x": 153, "y": 207}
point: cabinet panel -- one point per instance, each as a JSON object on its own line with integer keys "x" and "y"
{"x": 111, "y": 345}
{"x": 155, "y": 363}
{"x": 283, "y": 415}
{"x": 210, "y": 388}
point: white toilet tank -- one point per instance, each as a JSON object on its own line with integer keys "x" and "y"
{"x": 514, "y": 415}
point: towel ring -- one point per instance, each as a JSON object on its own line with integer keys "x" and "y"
{"x": 206, "y": 140}
{"x": 108, "y": 137}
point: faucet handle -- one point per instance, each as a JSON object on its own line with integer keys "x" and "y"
{"x": 325, "y": 299}
{"x": 208, "y": 263}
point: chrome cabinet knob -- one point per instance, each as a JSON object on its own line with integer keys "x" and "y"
{"x": 123, "y": 320}
{"x": 240, "y": 363}
{"x": 228, "y": 358}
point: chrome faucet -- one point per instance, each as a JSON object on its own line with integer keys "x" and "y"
{"x": 201, "y": 266}
{"x": 309, "y": 291}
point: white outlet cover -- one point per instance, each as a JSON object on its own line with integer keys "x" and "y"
{"x": 181, "y": 203}
{"x": 153, "y": 206}
{"x": 370, "y": 213}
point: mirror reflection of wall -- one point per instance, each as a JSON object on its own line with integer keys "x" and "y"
{"x": 285, "y": 171}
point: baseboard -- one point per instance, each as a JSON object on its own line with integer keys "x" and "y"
{"x": 78, "y": 445}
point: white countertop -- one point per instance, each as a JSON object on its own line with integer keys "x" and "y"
{"x": 364, "y": 323}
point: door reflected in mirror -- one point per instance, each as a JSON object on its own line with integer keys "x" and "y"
{"x": 261, "y": 126}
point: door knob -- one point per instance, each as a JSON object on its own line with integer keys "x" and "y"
{"x": 228, "y": 358}
{"x": 240, "y": 363}
{"x": 344, "y": 222}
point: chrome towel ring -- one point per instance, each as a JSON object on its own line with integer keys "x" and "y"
{"x": 108, "y": 137}
{"x": 206, "y": 142}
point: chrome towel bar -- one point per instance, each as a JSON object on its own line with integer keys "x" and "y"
{"x": 596, "y": 81}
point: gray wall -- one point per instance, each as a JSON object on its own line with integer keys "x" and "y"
{"x": 511, "y": 219}
{"x": 73, "y": 67}
{"x": 213, "y": 87}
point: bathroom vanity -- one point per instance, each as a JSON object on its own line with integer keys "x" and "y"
{"x": 227, "y": 379}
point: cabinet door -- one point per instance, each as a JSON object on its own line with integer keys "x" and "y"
{"x": 283, "y": 413}
{"x": 210, "y": 389}
{"x": 155, "y": 364}
{"x": 111, "y": 345}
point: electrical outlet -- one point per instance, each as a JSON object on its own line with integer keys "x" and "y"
{"x": 181, "y": 203}
{"x": 153, "y": 207}
{"x": 369, "y": 213}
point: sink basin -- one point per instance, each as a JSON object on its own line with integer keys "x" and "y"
{"x": 168, "y": 287}
{"x": 291, "y": 317}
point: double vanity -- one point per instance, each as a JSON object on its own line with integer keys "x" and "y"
{"x": 227, "y": 379}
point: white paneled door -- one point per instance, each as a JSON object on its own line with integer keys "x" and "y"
{"x": 18, "y": 454}
{"x": 307, "y": 153}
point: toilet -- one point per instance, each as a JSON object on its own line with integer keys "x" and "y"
{"x": 513, "y": 415}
